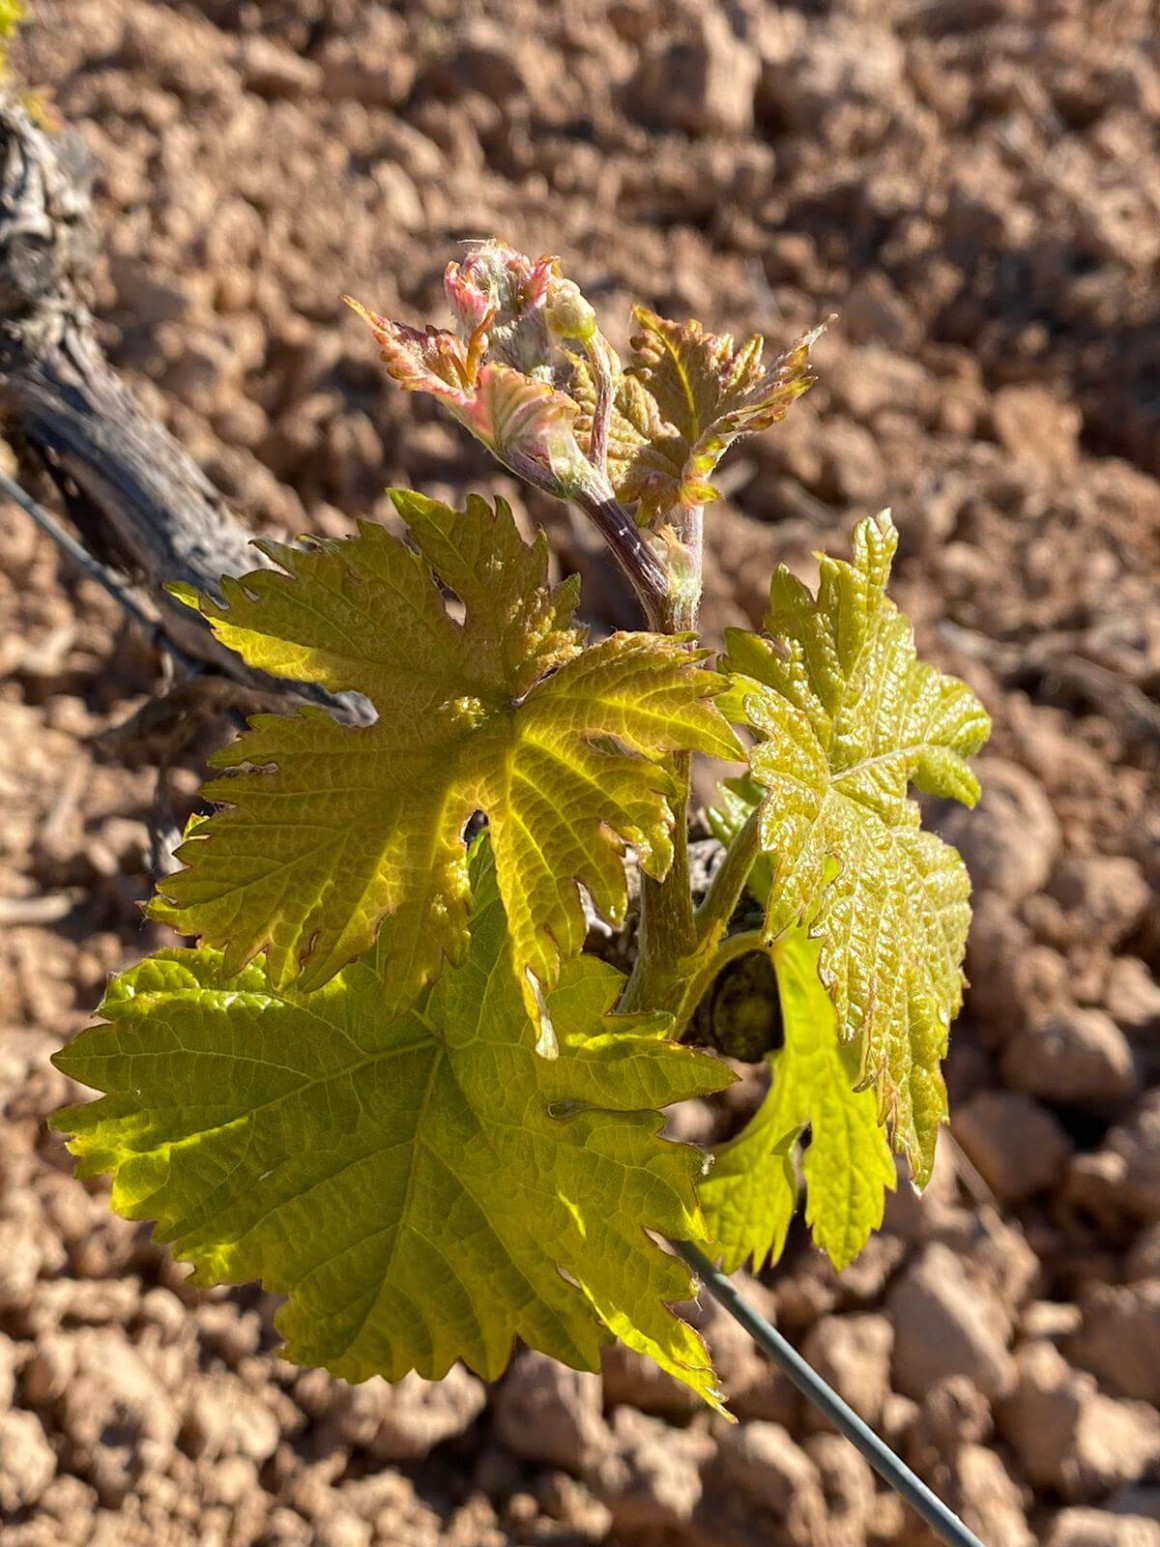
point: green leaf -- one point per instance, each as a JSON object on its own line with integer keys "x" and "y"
{"x": 330, "y": 828}
{"x": 684, "y": 398}
{"x": 422, "y": 1187}
{"x": 751, "y": 1193}
{"x": 13, "y": 14}
{"x": 848, "y": 719}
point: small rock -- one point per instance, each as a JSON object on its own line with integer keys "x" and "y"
{"x": 67, "y": 1499}
{"x": 637, "y": 1381}
{"x": 119, "y": 1416}
{"x": 999, "y": 1258}
{"x": 27, "y": 1461}
{"x": 481, "y": 59}
{"x": 914, "y": 1216}
{"x": 1132, "y": 996}
{"x": 269, "y": 70}
{"x": 1120, "y": 1338}
{"x": 1073, "y": 1055}
{"x": 404, "y": 1421}
{"x": 701, "y": 82}
{"x": 229, "y": 1331}
{"x": 1011, "y": 839}
{"x": 1051, "y": 1321}
{"x": 651, "y": 1478}
{"x": 225, "y": 1418}
{"x": 342, "y": 1528}
{"x": 368, "y": 60}
{"x": 872, "y": 378}
{"x": 401, "y": 201}
{"x": 1124, "y": 1176}
{"x": 1106, "y": 894}
{"x": 11, "y": 1359}
{"x": 767, "y": 1468}
{"x": 836, "y": 62}
{"x": 21, "y": 1259}
{"x": 874, "y": 312}
{"x": 847, "y": 1487}
{"x": 285, "y": 1528}
{"x": 953, "y": 1413}
{"x": 1013, "y": 977}
{"x": 853, "y": 1353}
{"x": 550, "y": 1415}
{"x": 233, "y": 1479}
{"x": 930, "y": 521}
{"x": 990, "y": 1500}
{"x": 899, "y": 1417}
{"x": 569, "y": 1501}
{"x": 162, "y": 1309}
{"x": 1143, "y": 1259}
{"x": 1032, "y": 422}
{"x": 865, "y": 1280}
{"x": 389, "y": 1499}
{"x": 944, "y": 1326}
{"x": 1099, "y": 1528}
{"x": 1068, "y": 1435}
{"x": 853, "y": 472}
{"x": 1018, "y": 1146}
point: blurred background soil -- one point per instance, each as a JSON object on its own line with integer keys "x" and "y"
{"x": 974, "y": 187}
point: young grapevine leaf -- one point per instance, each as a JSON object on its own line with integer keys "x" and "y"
{"x": 685, "y": 396}
{"x": 751, "y": 1193}
{"x": 529, "y": 373}
{"x": 848, "y": 718}
{"x": 501, "y": 375}
{"x": 422, "y": 1187}
{"x": 328, "y": 829}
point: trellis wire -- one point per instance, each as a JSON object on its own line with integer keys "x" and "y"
{"x": 943, "y": 1521}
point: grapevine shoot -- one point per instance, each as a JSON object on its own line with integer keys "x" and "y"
{"x": 388, "y": 1081}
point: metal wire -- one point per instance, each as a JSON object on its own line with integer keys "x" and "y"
{"x": 943, "y": 1521}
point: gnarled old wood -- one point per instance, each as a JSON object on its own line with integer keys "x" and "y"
{"x": 139, "y": 501}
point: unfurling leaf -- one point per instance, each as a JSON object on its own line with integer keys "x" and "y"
{"x": 422, "y": 1187}
{"x": 577, "y": 424}
{"x": 685, "y": 396}
{"x": 848, "y": 719}
{"x": 524, "y": 422}
{"x": 329, "y": 829}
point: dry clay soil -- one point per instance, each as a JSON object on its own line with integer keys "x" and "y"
{"x": 973, "y": 186}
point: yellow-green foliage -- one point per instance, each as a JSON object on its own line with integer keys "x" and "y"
{"x": 12, "y": 15}
{"x": 330, "y": 829}
{"x": 847, "y": 718}
{"x": 424, "y": 1187}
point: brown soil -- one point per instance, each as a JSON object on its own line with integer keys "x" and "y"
{"x": 974, "y": 188}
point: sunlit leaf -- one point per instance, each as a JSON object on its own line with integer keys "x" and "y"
{"x": 422, "y": 1187}
{"x": 328, "y": 828}
{"x": 751, "y": 1193}
{"x": 685, "y": 396}
{"x": 848, "y": 718}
